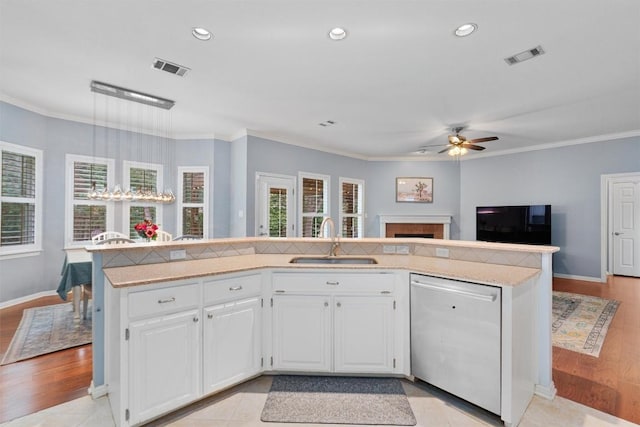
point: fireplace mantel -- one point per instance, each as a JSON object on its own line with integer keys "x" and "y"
{"x": 445, "y": 220}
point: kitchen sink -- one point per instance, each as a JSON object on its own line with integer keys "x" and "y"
{"x": 332, "y": 260}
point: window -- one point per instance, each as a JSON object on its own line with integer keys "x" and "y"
{"x": 351, "y": 207}
{"x": 84, "y": 217}
{"x": 20, "y": 199}
{"x": 314, "y": 202}
{"x": 193, "y": 201}
{"x": 141, "y": 178}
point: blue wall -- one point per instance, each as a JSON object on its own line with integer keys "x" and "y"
{"x": 268, "y": 156}
{"x": 381, "y": 192}
{"x": 29, "y": 275}
{"x": 568, "y": 178}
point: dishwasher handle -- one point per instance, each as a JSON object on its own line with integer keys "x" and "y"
{"x": 482, "y": 297}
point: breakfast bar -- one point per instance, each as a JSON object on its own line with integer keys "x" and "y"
{"x": 145, "y": 292}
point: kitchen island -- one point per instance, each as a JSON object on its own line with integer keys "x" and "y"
{"x": 142, "y": 286}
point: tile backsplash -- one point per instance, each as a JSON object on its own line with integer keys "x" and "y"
{"x": 223, "y": 248}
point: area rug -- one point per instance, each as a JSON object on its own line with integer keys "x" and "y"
{"x": 47, "y": 329}
{"x": 337, "y": 400}
{"x": 580, "y": 322}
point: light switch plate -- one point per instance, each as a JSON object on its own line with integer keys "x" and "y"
{"x": 402, "y": 249}
{"x": 442, "y": 252}
{"x": 179, "y": 254}
{"x": 388, "y": 249}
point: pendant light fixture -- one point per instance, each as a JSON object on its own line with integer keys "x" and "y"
{"x": 146, "y": 193}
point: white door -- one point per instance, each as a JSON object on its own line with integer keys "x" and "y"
{"x": 232, "y": 343}
{"x": 275, "y": 205}
{"x": 625, "y": 210}
{"x": 164, "y": 364}
{"x": 363, "y": 334}
{"x": 302, "y": 333}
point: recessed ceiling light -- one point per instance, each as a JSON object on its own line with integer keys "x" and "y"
{"x": 337, "y": 33}
{"x": 465, "y": 29}
{"x": 201, "y": 33}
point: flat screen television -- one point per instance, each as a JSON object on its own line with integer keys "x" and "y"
{"x": 514, "y": 224}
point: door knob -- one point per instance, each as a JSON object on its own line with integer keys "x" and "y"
{"x": 616, "y": 233}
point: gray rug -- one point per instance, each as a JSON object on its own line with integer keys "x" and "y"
{"x": 337, "y": 400}
{"x": 47, "y": 329}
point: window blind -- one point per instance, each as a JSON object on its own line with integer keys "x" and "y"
{"x": 18, "y": 215}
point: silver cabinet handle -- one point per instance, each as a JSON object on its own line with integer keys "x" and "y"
{"x": 326, "y": 304}
{"x": 336, "y": 283}
{"x": 164, "y": 301}
{"x": 385, "y": 292}
{"x": 279, "y": 291}
{"x": 235, "y": 288}
{"x": 338, "y": 304}
{"x": 195, "y": 320}
{"x": 210, "y": 315}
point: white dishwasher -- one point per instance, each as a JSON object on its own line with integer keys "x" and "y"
{"x": 455, "y": 338}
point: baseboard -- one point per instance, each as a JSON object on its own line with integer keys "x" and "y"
{"x": 97, "y": 392}
{"x": 27, "y": 298}
{"x": 548, "y": 392}
{"x": 574, "y": 277}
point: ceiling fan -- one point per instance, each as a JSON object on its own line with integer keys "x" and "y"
{"x": 458, "y": 144}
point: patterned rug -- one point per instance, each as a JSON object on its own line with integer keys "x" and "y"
{"x": 580, "y": 322}
{"x": 47, "y": 329}
{"x": 337, "y": 400}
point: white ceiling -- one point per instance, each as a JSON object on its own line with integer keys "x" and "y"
{"x": 397, "y": 82}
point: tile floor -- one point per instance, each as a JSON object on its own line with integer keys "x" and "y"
{"x": 241, "y": 406}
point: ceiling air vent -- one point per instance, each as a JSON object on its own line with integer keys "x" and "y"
{"x": 523, "y": 56}
{"x": 170, "y": 67}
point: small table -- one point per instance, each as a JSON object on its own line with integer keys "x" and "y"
{"x": 76, "y": 271}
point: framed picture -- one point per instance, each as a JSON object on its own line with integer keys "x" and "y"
{"x": 414, "y": 189}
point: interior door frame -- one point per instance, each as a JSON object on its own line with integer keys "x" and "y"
{"x": 257, "y": 201}
{"x": 606, "y": 219}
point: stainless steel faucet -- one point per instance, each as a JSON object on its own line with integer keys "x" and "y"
{"x": 335, "y": 243}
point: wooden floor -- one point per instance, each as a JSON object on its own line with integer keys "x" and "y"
{"x": 41, "y": 382}
{"x": 610, "y": 383}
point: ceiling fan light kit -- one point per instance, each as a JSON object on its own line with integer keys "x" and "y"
{"x": 459, "y": 145}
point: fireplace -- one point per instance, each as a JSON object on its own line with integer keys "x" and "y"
{"x": 424, "y": 226}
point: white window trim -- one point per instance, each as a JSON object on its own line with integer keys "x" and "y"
{"x": 126, "y": 175}
{"x": 70, "y": 159}
{"x": 36, "y": 247}
{"x": 326, "y": 190}
{"x": 205, "y": 204}
{"x": 341, "y": 214}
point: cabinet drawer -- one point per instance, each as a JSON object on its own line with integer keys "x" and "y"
{"x": 165, "y": 300}
{"x": 333, "y": 282}
{"x": 230, "y": 289}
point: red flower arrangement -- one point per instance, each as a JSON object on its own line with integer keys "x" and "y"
{"x": 147, "y": 229}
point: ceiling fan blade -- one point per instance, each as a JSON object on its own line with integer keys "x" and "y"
{"x": 489, "y": 138}
{"x": 442, "y": 151}
{"x": 473, "y": 147}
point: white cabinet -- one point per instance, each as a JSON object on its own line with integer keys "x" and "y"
{"x": 334, "y": 322}
{"x": 363, "y": 334}
{"x": 172, "y": 343}
{"x": 164, "y": 364}
{"x": 302, "y": 333}
{"x": 232, "y": 339}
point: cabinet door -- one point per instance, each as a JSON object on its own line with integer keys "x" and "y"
{"x": 232, "y": 343}
{"x": 164, "y": 364}
{"x": 363, "y": 334}
{"x": 302, "y": 333}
